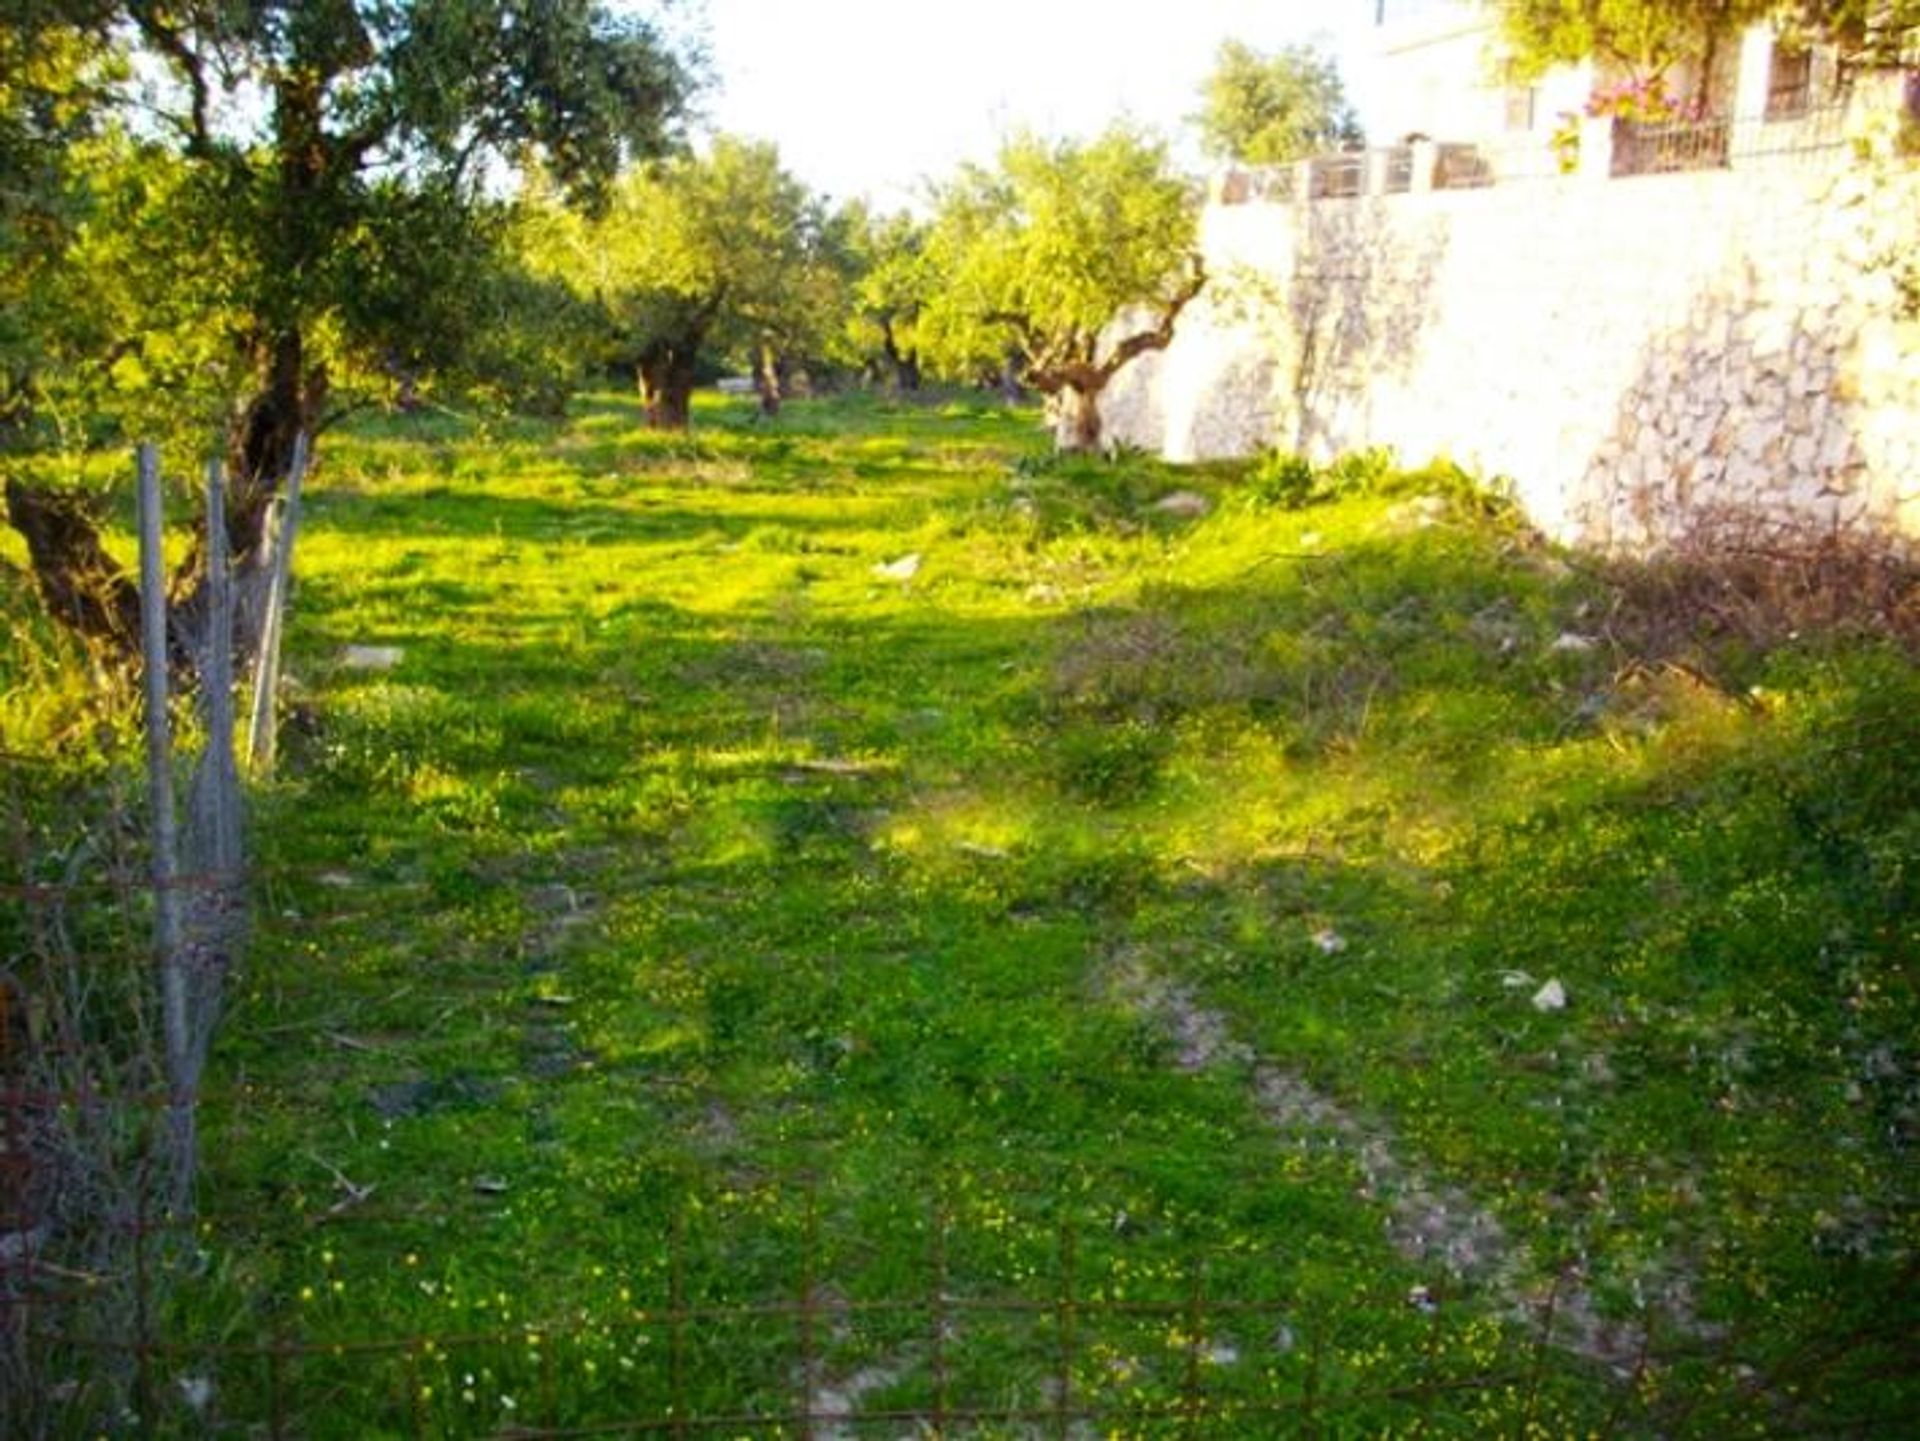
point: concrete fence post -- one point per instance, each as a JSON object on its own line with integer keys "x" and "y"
{"x": 1426, "y": 160}
{"x": 1596, "y": 147}
{"x": 1379, "y": 172}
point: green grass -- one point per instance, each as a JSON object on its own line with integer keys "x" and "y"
{"x": 696, "y": 912}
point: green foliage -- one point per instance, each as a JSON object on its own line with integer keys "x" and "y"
{"x": 50, "y": 82}
{"x": 1874, "y": 32}
{"x": 1291, "y": 481}
{"x": 263, "y": 265}
{"x": 894, "y": 285}
{"x": 1047, "y": 251}
{"x": 1647, "y": 37}
{"x": 1112, "y": 763}
{"x": 723, "y": 256}
{"x": 1283, "y": 479}
{"x": 1048, "y": 248}
{"x": 1274, "y": 109}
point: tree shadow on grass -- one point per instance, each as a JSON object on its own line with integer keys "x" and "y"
{"x": 853, "y": 880}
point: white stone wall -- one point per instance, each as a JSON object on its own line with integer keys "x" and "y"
{"x": 1640, "y": 357}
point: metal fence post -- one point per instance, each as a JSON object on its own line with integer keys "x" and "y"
{"x": 166, "y": 862}
{"x": 262, "y": 739}
{"x": 1063, "y": 1391}
{"x": 1196, "y": 1325}
{"x": 939, "y": 1309}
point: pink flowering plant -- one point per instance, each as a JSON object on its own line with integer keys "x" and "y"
{"x": 1643, "y": 100}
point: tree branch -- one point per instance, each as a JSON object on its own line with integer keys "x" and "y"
{"x": 1161, "y": 336}
{"x": 171, "y": 41}
{"x": 1023, "y": 331}
{"x": 82, "y": 585}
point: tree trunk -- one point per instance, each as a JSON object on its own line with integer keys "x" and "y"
{"x": 766, "y": 380}
{"x": 1078, "y": 427}
{"x": 1709, "y": 56}
{"x": 84, "y": 588}
{"x": 666, "y": 385}
{"x": 1011, "y": 390}
{"x": 905, "y": 364}
{"x": 260, "y": 440}
{"x": 906, "y": 371}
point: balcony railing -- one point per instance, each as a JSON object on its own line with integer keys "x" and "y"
{"x": 1602, "y": 149}
{"x": 1667, "y": 146}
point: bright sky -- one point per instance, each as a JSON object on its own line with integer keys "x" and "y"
{"x": 873, "y": 97}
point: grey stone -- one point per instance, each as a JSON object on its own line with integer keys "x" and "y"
{"x": 1184, "y": 504}
{"x": 371, "y": 657}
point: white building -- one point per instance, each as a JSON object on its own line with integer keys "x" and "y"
{"x": 1440, "y": 70}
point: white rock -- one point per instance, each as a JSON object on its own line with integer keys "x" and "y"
{"x": 1550, "y": 997}
{"x": 905, "y": 568}
{"x": 1572, "y": 641}
{"x": 371, "y": 657}
{"x": 1185, "y": 504}
{"x": 1421, "y": 513}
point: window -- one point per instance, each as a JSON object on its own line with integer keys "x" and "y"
{"x": 1790, "y": 84}
{"x": 1518, "y": 98}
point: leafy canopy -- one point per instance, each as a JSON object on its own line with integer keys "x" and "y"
{"x": 1873, "y": 31}
{"x": 1273, "y": 109}
{"x": 50, "y": 85}
{"x": 301, "y": 197}
{"x": 1648, "y": 37}
{"x": 724, "y": 255}
{"x": 1046, "y": 250}
{"x": 893, "y": 283}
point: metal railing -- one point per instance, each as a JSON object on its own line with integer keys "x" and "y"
{"x": 1616, "y": 149}
{"x": 1663, "y": 147}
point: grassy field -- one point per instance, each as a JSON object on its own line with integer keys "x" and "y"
{"x": 864, "y": 859}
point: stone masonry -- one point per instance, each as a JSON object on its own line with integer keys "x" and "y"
{"x": 1643, "y": 358}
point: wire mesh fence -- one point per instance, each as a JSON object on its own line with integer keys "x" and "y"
{"x": 781, "y": 1304}
{"x": 973, "y": 1337}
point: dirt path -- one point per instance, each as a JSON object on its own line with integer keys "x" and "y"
{"x": 1429, "y": 1220}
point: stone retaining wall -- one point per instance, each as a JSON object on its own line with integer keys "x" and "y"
{"x": 1641, "y": 357}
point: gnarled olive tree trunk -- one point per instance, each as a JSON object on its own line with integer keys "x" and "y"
{"x": 1071, "y": 373}
{"x": 84, "y": 588}
{"x": 769, "y": 382}
{"x": 87, "y": 591}
{"x": 666, "y": 384}
{"x": 902, "y": 361}
{"x": 289, "y": 402}
{"x": 1077, "y": 419}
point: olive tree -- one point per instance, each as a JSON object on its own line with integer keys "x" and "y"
{"x": 1870, "y": 32}
{"x": 1077, "y": 255}
{"x": 891, "y": 289}
{"x": 1274, "y": 109}
{"x": 1645, "y": 37}
{"x": 702, "y": 257}
{"x": 312, "y": 203}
